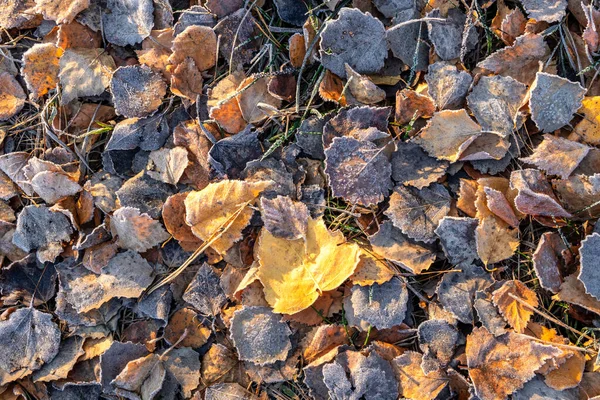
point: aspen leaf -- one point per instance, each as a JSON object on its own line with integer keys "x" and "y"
{"x": 414, "y": 383}
{"x": 218, "y": 205}
{"x": 115, "y": 359}
{"x": 573, "y": 291}
{"x": 169, "y": 164}
{"x": 197, "y": 42}
{"x": 331, "y": 89}
{"x": 590, "y": 259}
{"x": 371, "y": 270}
{"x": 69, "y": 352}
{"x": 284, "y": 218}
{"x": 535, "y": 196}
{"x": 557, "y": 156}
{"x": 356, "y": 120}
{"x": 53, "y": 186}
{"x": 457, "y": 236}
{"x": 204, "y": 292}
{"x": 137, "y": 91}
{"x": 447, "y": 85}
{"x": 411, "y": 104}
{"x": 186, "y": 320}
{"x": 438, "y": 340}
{"x": 362, "y": 88}
{"x": 222, "y": 8}
{"x": 156, "y": 50}
{"x": 513, "y": 311}
{"x": 41, "y": 67}
{"x": 238, "y": 38}
{"x": 498, "y": 204}
{"x": 412, "y": 166}
{"x": 253, "y": 93}
{"x": 61, "y": 11}
{"x": 136, "y": 231}
{"x": 545, "y": 10}
{"x": 548, "y": 260}
{"x": 127, "y": 22}
{"x": 537, "y": 389}
{"x": 450, "y": 37}
{"x": 579, "y": 194}
{"x": 186, "y": 80}
{"x": 408, "y": 41}
{"x": 84, "y": 72}
{"x": 295, "y": 272}
{"x": 587, "y": 130}
{"x": 499, "y": 366}
{"x": 12, "y": 96}
{"x": 18, "y": 14}
{"x": 448, "y": 134}
{"x": 495, "y": 241}
{"x": 76, "y": 35}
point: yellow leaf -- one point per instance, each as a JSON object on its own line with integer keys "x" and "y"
{"x": 295, "y": 272}
{"x": 211, "y": 209}
{"x": 516, "y": 313}
{"x": 587, "y": 130}
{"x": 495, "y": 241}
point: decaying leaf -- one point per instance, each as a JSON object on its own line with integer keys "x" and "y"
{"x": 260, "y": 336}
{"x": 41, "y": 67}
{"x": 169, "y": 164}
{"x": 418, "y": 212}
{"x": 84, "y": 72}
{"x": 69, "y": 352}
{"x": 358, "y": 171}
{"x": 580, "y": 195}
{"x": 572, "y": 291}
{"x": 414, "y": 383}
{"x": 548, "y": 261}
{"x": 186, "y": 321}
{"x": 378, "y": 306}
{"x": 187, "y": 81}
{"x": 205, "y": 293}
{"x": 137, "y": 91}
{"x": 219, "y": 205}
{"x": 354, "y": 38}
{"x": 553, "y": 101}
{"x": 499, "y": 366}
{"x": 173, "y": 214}
{"x": 457, "y": 236}
{"x": 447, "y": 85}
{"x": 294, "y": 272}
{"x": 557, "y": 156}
{"x": 12, "y": 96}
{"x": 408, "y": 41}
{"x": 448, "y": 134}
{"x": 438, "y": 340}
{"x": 589, "y": 259}
{"x": 495, "y": 241}
{"x": 228, "y": 391}
{"x": 238, "y": 38}
{"x": 361, "y": 123}
{"x": 537, "y": 389}
{"x": 515, "y": 312}
{"x": 371, "y": 270}
{"x": 197, "y": 42}
{"x": 284, "y": 218}
{"x": 53, "y": 186}
{"x": 535, "y": 195}
{"x": 545, "y": 10}
{"x": 456, "y": 291}
{"x": 448, "y": 37}
{"x": 412, "y": 166}
{"x": 127, "y": 22}
{"x": 254, "y": 99}
{"x": 136, "y": 231}
{"x": 62, "y": 11}
{"x": 362, "y": 88}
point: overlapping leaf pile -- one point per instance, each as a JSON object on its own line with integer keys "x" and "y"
{"x": 368, "y": 199}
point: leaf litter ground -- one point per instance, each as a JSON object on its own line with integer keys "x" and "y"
{"x": 292, "y": 199}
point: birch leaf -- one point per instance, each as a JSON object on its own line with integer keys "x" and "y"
{"x": 513, "y": 311}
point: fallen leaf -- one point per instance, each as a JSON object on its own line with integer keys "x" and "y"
{"x": 408, "y": 41}
{"x": 418, "y": 212}
{"x": 136, "y": 231}
{"x": 62, "y": 11}
{"x": 535, "y": 195}
{"x": 514, "y": 311}
{"x": 187, "y": 81}
{"x": 456, "y": 291}
{"x": 553, "y": 101}
{"x": 414, "y": 383}
{"x": 230, "y": 156}
{"x": 411, "y": 166}
{"x": 222, "y": 204}
{"x": 447, "y": 37}
{"x": 457, "y": 237}
{"x": 156, "y": 50}
{"x": 589, "y": 257}
{"x": 137, "y": 91}
{"x": 12, "y": 96}
{"x": 499, "y": 366}
{"x": 331, "y": 88}
{"x": 390, "y": 243}
{"x": 186, "y": 322}
{"x": 412, "y": 105}
{"x": 18, "y": 14}
{"x": 76, "y": 35}
{"x": 356, "y": 39}
{"x": 197, "y": 42}
{"x": 548, "y": 261}
{"x": 204, "y": 292}
{"x": 228, "y": 391}
{"x": 294, "y": 272}
{"x": 573, "y": 291}
{"x": 438, "y": 340}
{"x": 127, "y": 22}
{"x": 222, "y": 8}
{"x": 284, "y": 218}
{"x": 362, "y": 88}
{"x": 358, "y": 171}
{"x": 69, "y": 352}
{"x": 587, "y": 129}
{"x": 53, "y": 186}
{"x": 495, "y": 241}
{"x": 115, "y": 359}
{"x": 297, "y": 49}
{"x": 380, "y": 306}
{"x": 84, "y": 72}
{"x": 536, "y": 388}
{"x": 250, "y": 325}
{"x": 579, "y": 194}
{"x": 253, "y": 93}
{"x": 169, "y": 164}
{"x": 26, "y": 279}
{"x": 189, "y": 134}
{"x": 447, "y": 85}
{"x": 173, "y": 213}
{"x": 40, "y": 68}
{"x": 500, "y": 206}
{"x": 545, "y": 10}
{"x": 238, "y": 38}
{"x": 355, "y": 121}
{"x": 448, "y": 134}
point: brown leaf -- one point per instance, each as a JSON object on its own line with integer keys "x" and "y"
{"x": 186, "y": 321}
{"x": 186, "y": 80}
{"x": 362, "y": 88}
{"x": 535, "y": 194}
{"x": 549, "y": 260}
{"x": 580, "y": 195}
{"x": 168, "y": 164}
{"x": 371, "y": 270}
{"x": 513, "y": 311}
{"x": 411, "y": 166}
{"x": 173, "y": 213}
{"x": 447, "y": 86}
{"x": 84, "y": 72}
{"x": 331, "y": 89}
{"x": 189, "y": 134}
{"x": 414, "y": 383}
{"x": 40, "y": 68}
{"x": 137, "y": 91}
{"x": 61, "y": 11}
{"x": 197, "y": 42}
{"x": 253, "y": 93}
{"x": 572, "y": 291}
{"x": 448, "y": 134}
{"x": 411, "y": 104}
{"x": 74, "y": 35}
{"x": 495, "y": 241}
{"x": 156, "y": 50}
{"x": 136, "y": 231}
{"x": 12, "y": 96}
{"x": 297, "y": 49}
{"x": 499, "y": 366}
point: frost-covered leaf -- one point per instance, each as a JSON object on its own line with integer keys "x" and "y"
{"x": 29, "y": 339}
{"x": 549, "y": 260}
{"x": 513, "y": 311}
{"x": 228, "y": 391}
{"x": 169, "y": 164}
{"x": 13, "y": 165}
{"x": 390, "y": 243}
{"x": 380, "y": 306}
{"x": 412, "y": 166}
{"x": 535, "y": 194}
{"x": 354, "y": 38}
{"x": 545, "y": 10}
{"x": 590, "y": 260}
{"x": 187, "y": 81}
{"x": 498, "y": 204}
{"x": 115, "y": 359}
{"x": 557, "y": 156}
{"x": 448, "y": 134}
{"x": 253, "y": 93}
{"x": 362, "y": 88}
{"x": 371, "y": 270}
{"x": 26, "y": 278}
{"x": 18, "y": 14}
{"x": 53, "y": 186}
{"x": 294, "y": 272}
{"x": 407, "y": 42}
{"x": 173, "y": 214}
{"x": 222, "y": 8}
{"x": 127, "y": 22}
{"x": 438, "y": 340}
{"x": 498, "y": 366}
{"x": 488, "y": 314}
{"x": 137, "y": 91}
{"x": 411, "y": 104}
{"x": 414, "y": 383}
{"x": 495, "y": 241}
{"x": 358, "y": 171}
{"x": 536, "y": 389}
{"x": 126, "y": 275}
{"x": 219, "y": 204}
{"x": 519, "y": 61}
{"x": 447, "y": 85}
{"x": 69, "y": 352}
{"x": 418, "y": 212}
{"x": 197, "y": 42}
{"x": 146, "y": 133}
{"x": 457, "y": 236}
{"x": 456, "y": 291}
{"x": 84, "y": 72}
{"x": 205, "y": 292}
{"x": 587, "y": 129}
{"x": 44, "y": 230}
{"x": 284, "y": 218}
{"x": 553, "y": 101}
{"x": 41, "y": 67}
{"x": 361, "y": 123}
{"x": 12, "y": 96}
{"x": 447, "y": 36}
{"x": 61, "y": 11}
{"x": 136, "y": 231}
{"x": 495, "y": 103}
{"x": 292, "y": 11}
{"x": 260, "y": 336}
{"x": 573, "y": 291}
{"x": 186, "y": 321}
{"x": 580, "y": 195}
{"x": 238, "y": 38}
